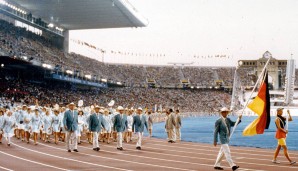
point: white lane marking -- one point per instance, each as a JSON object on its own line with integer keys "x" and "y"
{"x": 196, "y": 153}
{"x": 70, "y": 159}
{"x": 32, "y": 161}
{"x": 232, "y": 147}
{"x": 204, "y": 150}
{"x": 186, "y": 156}
{"x": 4, "y": 168}
{"x": 128, "y": 161}
{"x": 216, "y": 155}
{"x": 152, "y": 157}
{"x": 245, "y": 158}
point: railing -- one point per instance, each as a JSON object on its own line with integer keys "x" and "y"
{"x": 76, "y": 80}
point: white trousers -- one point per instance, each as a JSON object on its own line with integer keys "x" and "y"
{"x": 172, "y": 134}
{"x": 71, "y": 137}
{"x": 8, "y": 140}
{"x": 178, "y": 133}
{"x": 95, "y": 139}
{"x": 119, "y": 139}
{"x": 224, "y": 151}
{"x": 140, "y": 136}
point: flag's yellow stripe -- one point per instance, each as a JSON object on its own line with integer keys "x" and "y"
{"x": 251, "y": 129}
{"x": 257, "y": 105}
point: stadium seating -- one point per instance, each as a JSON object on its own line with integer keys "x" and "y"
{"x": 18, "y": 42}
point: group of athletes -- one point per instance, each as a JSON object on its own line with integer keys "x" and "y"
{"x": 51, "y": 125}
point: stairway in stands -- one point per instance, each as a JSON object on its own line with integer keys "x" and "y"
{"x": 181, "y": 74}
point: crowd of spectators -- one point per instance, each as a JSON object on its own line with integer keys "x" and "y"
{"x": 15, "y": 91}
{"x": 16, "y": 41}
{"x": 226, "y": 75}
{"x": 246, "y": 76}
{"x": 164, "y": 75}
{"x": 200, "y": 76}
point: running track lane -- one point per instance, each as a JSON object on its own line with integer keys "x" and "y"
{"x": 155, "y": 155}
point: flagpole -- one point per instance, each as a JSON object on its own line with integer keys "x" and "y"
{"x": 261, "y": 76}
{"x": 234, "y": 89}
{"x": 287, "y": 120}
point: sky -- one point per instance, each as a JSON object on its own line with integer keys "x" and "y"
{"x": 188, "y": 31}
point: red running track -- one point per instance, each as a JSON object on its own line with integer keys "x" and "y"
{"x": 156, "y": 154}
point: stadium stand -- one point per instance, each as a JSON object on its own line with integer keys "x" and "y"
{"x": 200, "y": 76}
{"x": 18, "y": 42}
{"x": 49, "y": 94}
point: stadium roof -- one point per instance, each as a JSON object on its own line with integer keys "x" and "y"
{"x": 85, "y": 14}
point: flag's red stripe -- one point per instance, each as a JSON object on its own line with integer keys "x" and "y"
{"x": 265, "y": 117}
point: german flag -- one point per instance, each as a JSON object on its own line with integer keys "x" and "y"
{"x": 261, "y": 106}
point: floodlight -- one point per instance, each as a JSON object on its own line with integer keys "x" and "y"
{"x": 69, "y": 72}
{"x": 88, "y": 76}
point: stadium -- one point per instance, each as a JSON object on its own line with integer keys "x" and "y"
{"x": 38, "y": 69}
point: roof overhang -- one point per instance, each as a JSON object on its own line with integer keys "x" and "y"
{"x": 85, "y": 14}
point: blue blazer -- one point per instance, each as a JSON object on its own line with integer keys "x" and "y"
{"x": 221, "y": 130}
{"x": 95, "y": 123}
{"x": 120, "y": 125}
{"x": 139, "y": 123}
{"x": 70, "y": 122}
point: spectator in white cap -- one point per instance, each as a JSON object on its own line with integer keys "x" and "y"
{"x": 139, "y": 123}
{"x": 223, "y": 129}
{"x": 120, "y": 125}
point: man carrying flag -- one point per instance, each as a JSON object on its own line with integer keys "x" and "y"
{"x": 261, "y": 106}
{"x": 223, "y": 128}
